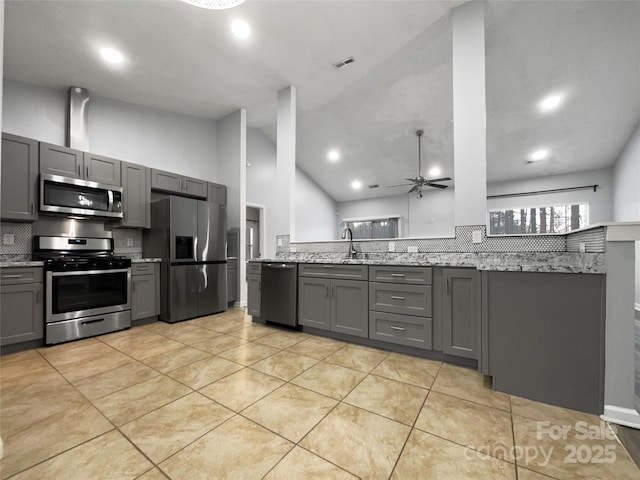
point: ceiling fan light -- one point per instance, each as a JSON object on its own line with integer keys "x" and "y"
{"x": 435, "y": 171}
{"x": 214, "y": 4}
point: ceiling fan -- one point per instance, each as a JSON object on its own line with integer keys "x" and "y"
{"x": 420, "y": 181}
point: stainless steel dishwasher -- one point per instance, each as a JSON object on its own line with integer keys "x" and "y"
{"x": 279, "y": 294}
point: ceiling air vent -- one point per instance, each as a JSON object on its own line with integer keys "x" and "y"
{"x": 344, "y": 63}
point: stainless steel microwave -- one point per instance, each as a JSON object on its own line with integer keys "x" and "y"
{"x": 79, "y": 197}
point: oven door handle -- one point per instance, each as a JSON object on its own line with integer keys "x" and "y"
{"x": 89, "y": 272}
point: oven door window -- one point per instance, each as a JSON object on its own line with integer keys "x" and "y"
{"x": 71, "y": 293}
{"x": 76, "y": 196}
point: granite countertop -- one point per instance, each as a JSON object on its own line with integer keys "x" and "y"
{"x": 145, "y": 260}
{"x": 21, "y": 263}
{"x": 559, "y": 262}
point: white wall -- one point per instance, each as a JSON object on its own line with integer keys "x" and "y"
{"x": 261, "y": 181}
{"x": 315, "y": 216}
{"x": 429, "y": 216}
{"x": 626, "y": 198}
{"x": 155, "y": 138}
{"x": 600, "y": 202}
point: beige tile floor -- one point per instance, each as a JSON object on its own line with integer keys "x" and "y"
{"x": 219, "y": 397}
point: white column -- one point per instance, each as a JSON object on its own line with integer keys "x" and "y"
{"x": 286, "y": 162}
{"x": 231, "y": 149}
{"x": 469, "y": 115}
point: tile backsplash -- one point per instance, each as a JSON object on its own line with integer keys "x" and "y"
{"x": 22, "y": 238}
{"x": 127, "y": 241}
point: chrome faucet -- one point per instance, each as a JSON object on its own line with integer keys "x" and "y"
{"x": 352, "y": 250}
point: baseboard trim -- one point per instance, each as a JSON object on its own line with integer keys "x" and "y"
{"x": 622, "y": 416}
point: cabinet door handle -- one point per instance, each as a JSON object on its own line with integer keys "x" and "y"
{"x": 260, "y": 285}
{"x": 447, "y": 286}
{"x": 37, "y": 296}
{"x": 328, "y": 266}
{"x": 397, "y": 328}
{"x": 79, "y": 171}
{"x": 87, "y": 172}
{"x": 12, "y": 276}
{"x": 397, "y": 274}
{"x": 326, "y": 291}
{"x": 396, "y": 297}
{"x": 134, "y": 286}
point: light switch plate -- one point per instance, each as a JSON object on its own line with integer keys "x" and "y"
{"x": 129, "y": 242}
{"x": 279, "y": 242}
{"x": 412, "y": 249}
{"x": 583, "y": 247}
{"x": 392, "y": 246}
{"x": 476, "y": 236}
{"x": 8, "y": 239}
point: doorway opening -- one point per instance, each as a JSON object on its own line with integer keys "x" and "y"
{"x": 254, "y": 232}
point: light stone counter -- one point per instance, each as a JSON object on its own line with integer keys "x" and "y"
{"x": 558, "y": 262}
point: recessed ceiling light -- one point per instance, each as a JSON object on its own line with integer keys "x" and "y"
{"x": 240, "y": 28}
{"x": 539, "y": 155}
{"x": 434, "y": 172}
{"x": 356, "y": 184}
{"x": 111, "y": 55}
{"x": 550, "y": 103}
{"x": 214, "y": 4}
{"x": 333, "y": 155}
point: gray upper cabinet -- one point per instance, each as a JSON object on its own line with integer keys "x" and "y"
{"x": 217, "y": 193}
{"x": 57, "y": 160}
{"x": 461, "y": 312}
{"x": 68, "y": 162}
{"x": 136, "y": 196}
{"x": 19, "y": 178}
{"x": 102, "y": 169}
{"x": 174, "y": 183}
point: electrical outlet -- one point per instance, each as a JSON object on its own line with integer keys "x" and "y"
{"x": 476, "y": 236}
{"x": 412, "y": 249}
{"x": 583, "y": 247}
{"x": 8, "y": 239}
{"x": 129, "y": 242}
{"x": 392, "y": 246}
{"x": 293, "y": 249}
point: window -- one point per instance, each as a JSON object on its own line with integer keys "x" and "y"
{"x": 549, "y": 219}
{"x": 370, "y": 229}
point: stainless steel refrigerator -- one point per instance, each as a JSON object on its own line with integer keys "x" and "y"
{"x": 190, "y": 237}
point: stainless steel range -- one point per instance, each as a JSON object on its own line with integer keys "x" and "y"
{"x": 87, "y": 288}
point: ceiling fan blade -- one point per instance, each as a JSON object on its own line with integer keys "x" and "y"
{"x": 439, "y": 179}
{"x": 414, "y": 189}
{"x": 436, "y": 185}
{"x": 400, "y": 185}
{"x": 412, "y": 180}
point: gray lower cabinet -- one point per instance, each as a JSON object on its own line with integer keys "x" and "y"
{"x": 334, "y": 304}
{"x": 68, "y": 162}
{"x": 253, "y": 294}
{"x": 145, "y": 291}
{"x": 21, "y": 305}
{"x": 232, "y": 281}
{"x": 545, "y": 336}
{"x": 19, "y": 178}
{"x": 136, "y": 196}
{"x": 400, "y": 305}
{"x": 461, "y": 312}
{"x": 174, "y": 183}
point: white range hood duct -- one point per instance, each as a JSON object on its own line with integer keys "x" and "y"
{"x": 78, "y": 119}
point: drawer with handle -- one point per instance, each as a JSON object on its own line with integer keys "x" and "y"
{"x": 401, "y": 329}
{"x": 401, "y": 299}
{"x": 18, "y": 275}
{"x": 334, "y": 270}
{"x": 399, "y": 274}
{"x": 254, "y": 268}
{"x": 144, "y": 268}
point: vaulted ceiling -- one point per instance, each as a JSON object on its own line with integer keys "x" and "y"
{"x": 184, "y": 59}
